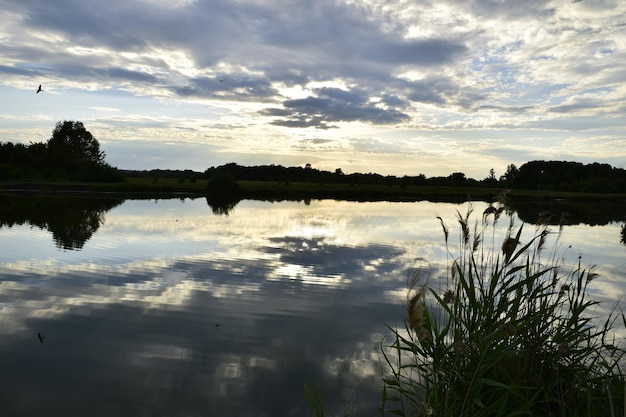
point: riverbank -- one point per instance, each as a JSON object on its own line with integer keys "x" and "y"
{"x": 285, "y": 190}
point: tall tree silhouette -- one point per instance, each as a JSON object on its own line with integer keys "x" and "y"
{"x": 74, "y": 153}
{"x": 70, "y": 140}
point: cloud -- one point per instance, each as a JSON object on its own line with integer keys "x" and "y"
{"x": 510, "y": 9}
{"x": 239, "y": 87}
{"x": 429, "y": 52}
{"x": 283, "y": 69}
{"x": 333, "y": 105}
{"x": 8, "y": 70}
{"x": 105, "y": 109}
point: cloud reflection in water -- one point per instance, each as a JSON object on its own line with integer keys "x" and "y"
{"x": 170, "y": 310}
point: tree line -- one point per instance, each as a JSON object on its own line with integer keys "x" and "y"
{"x": 533, "y": 175}
{"x": 72, "y": 153}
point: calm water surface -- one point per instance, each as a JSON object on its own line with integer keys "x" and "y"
{"x": 163, "y": 308}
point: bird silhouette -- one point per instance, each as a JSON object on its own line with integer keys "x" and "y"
{"x": 39, "y": 90}
{"x": 39, "y": 335}
{"x": 222, "y": 80}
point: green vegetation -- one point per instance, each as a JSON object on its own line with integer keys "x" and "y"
{"x": 509, "y": 334}
{"x": 132, "y": 187}
{"x": 72, "y": 158}
{"x": 365, "y": 192}
{"x": 569, "y": 176}
{"x": 287, "y": 190}
{"x": 72, "y": 153}
{"x": 222, "y": 183}
{"x": 553, "y": 176}
{"x": 72, "y": 161}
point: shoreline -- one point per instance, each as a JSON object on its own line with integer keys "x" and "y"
{"x": 273, "y": 190}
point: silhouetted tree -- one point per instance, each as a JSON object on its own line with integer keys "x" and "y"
{"x": 222, "y": 183}
{"x": 491, "y": 180}
{"x": 570, "y": 176}
{"x": 510, "y": 174}
{"x": 457, "y": 178}
{"x": 541, "y": 175}
{"x": 70, "y": 140}
{"x": 74, "y": 153}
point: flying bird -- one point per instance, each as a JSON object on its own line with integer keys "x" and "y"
{"x": 39, "y": 90}
{"x": 40, "y": 337}
{"x": 222, "y": 80}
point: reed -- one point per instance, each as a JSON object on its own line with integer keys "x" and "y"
{"x": 511, "y": 332}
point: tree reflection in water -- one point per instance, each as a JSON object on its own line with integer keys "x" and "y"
{"x": 585, "y": 212}
{"x": 222, "y": 204}
{"x": 71, "y": 220}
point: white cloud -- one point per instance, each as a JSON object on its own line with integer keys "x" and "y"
{"x": 264, "y": 75}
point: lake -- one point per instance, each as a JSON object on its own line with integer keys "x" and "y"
{"x": 172, "y": 307}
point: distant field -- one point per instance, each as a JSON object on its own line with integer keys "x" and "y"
{"x": 301, "y": 190}
{"x": 132, "y": 185}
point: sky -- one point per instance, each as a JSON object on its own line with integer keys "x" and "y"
{"x": 386, "y": 86}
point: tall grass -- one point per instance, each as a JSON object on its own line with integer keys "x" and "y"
{"x": 511, "y": 333}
